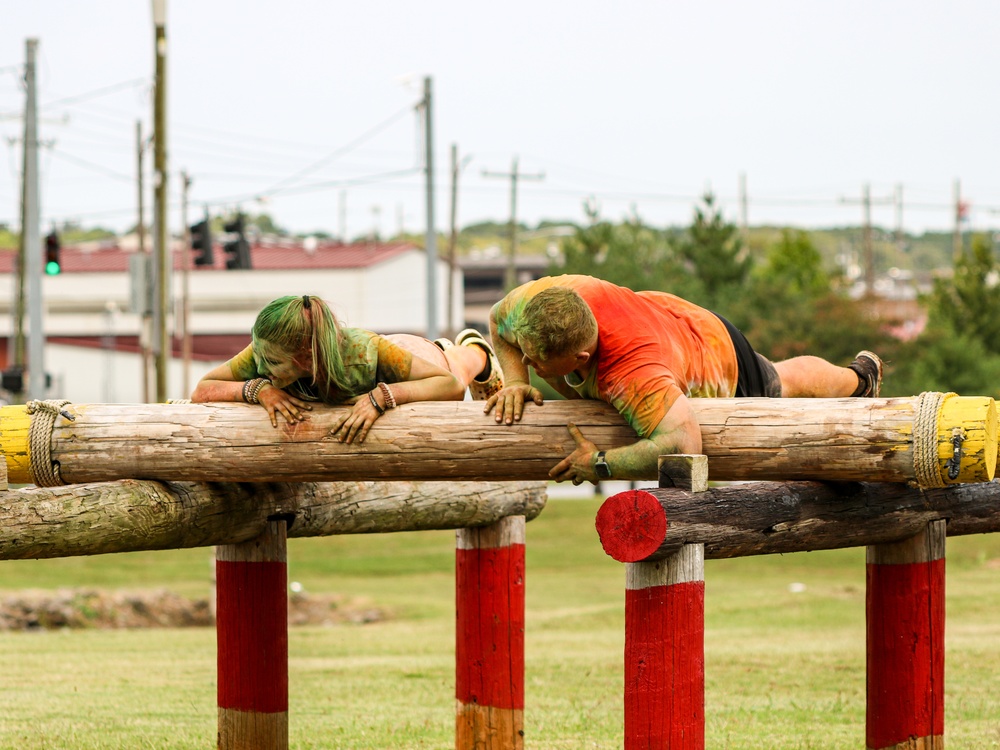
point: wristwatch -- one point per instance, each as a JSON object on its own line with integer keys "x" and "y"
{"x": 601, "y": 466}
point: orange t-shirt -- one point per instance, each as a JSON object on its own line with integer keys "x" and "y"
{"x": 652, "y": 347}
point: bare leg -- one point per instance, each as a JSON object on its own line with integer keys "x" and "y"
{"x": 464, "y": 362}
{"x": 812, "y": 377}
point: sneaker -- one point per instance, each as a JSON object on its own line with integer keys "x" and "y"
{"x": 493, "y": 383}
{"x": 868, "y": 366}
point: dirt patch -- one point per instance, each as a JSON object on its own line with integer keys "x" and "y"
{"x": 92, "y": 608}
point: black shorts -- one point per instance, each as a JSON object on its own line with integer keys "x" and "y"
{"x": 756, "y": 375}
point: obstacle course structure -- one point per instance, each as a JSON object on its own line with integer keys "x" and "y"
{"x": 128, "y": 477}
{"x": 933, "y": 439}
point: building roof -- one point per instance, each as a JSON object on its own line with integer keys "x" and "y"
{"x": 265, "y": 255}
{"x": 204, "y": 347}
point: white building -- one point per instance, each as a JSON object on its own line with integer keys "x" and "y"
{"x": 93, "y": 350}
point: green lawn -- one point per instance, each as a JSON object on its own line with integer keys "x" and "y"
{"x": 784, "y": 669}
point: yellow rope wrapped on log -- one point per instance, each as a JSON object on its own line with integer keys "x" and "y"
{"x": 927, "y": 441}
{"x": 44, "y": 470}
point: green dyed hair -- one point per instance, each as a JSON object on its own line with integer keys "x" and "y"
{"x": 557, "y": 321}
{"x": 291, "y": 326}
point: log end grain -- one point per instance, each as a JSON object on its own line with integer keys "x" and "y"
{"x": 632, "y": 525}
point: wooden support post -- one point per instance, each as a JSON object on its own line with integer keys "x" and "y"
{"x": 489, "y": 636}
{"x": 905, "y": 609}
{"x": 665, "y": 636}
{"x": 252, "y": 632}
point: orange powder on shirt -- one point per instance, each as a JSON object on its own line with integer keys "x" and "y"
{"x": 652, "y": 347}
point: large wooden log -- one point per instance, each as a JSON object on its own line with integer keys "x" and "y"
{"x": 761, "y": 518}
{"x": 835, "y": 439}
{"x": 130, "y": 515}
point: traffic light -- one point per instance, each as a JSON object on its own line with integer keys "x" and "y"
{"x": 12, "y": 379}
{"x": 237, "y": 251}
{"x": 201, "y": 243}
{"x": 52, "y": 248}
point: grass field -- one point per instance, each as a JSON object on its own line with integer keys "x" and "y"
{"x": 784, "y": 669}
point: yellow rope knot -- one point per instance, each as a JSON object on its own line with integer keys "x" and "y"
{"x": 926, "y": 465}
{"x": 44, "y": 470}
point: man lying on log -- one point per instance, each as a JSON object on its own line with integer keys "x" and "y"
{"x": 646, "y": 354}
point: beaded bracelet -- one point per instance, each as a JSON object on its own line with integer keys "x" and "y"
{"x": 252, "y": 389}
{"x": 258, "y": 387}
{"x": 390, "y": 400}
{"x": 371, "y": 397}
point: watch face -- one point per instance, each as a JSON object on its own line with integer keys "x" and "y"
{"x": 602, "y": 468}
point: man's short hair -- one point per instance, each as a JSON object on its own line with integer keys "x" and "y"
{"x": 557, "y": 321}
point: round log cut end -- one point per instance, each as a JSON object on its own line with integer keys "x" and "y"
{"x": 967, "y": 439}
{"x": 632, "y": 525}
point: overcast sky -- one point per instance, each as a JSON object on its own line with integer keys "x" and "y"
{"x": 299, "y": 107}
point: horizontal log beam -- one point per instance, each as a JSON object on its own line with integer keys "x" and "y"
{"x": 131, "y": 515}
{"x": 744, "y": 439}
{"x": 763, "y": 518}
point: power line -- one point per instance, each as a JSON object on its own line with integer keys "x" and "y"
{"x": 96, "y": 93}
{"x": 315, "y": 186}
{"x": 338, "y": 152}
{"x": 92, "y": 166}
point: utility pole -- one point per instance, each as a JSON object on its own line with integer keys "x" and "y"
{"x": 866, "y": 200}
{"x": 146, "y": 329}
{"x": 866, "y": 233}
{"x": 744, "y": 226}
{"x": 161, "y": 245}
{"x": 431, "y": 235}
{"x": 456, "y": 169}
{"x": 32, "y": 256}
{"x": 186, "y": 285}
{"x": 957, "y": 248}
{"x": 898, "y": 200}
{"x": 510, "y": 277}
{"x": 20, "y": 304}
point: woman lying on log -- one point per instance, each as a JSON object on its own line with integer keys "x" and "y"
{"x": 300, "y": 354}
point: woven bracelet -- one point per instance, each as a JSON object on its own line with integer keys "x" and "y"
{"x": 390, "y": 400}
{"x": 371, "y": 397}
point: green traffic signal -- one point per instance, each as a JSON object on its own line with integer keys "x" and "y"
{"x": 52, "y": 249}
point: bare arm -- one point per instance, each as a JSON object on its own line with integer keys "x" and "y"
{"x": 517, "y": 388}
{"x": 427, "y": 382}
{"x": 677, "y": 432}
{"x": 218, "y": 384}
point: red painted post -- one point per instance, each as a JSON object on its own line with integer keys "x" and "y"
{"x": 905, "y": 609}
{"x": 665, "y": 633}
{"x": 665, "y": 652}
{"x": 252, "y": 633}
{"x": 489, "y": 636}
